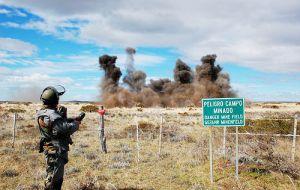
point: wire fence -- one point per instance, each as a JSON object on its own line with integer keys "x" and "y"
{"x": 185, "y": 120}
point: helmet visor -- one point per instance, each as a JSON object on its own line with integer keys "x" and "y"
{"x": 60, "y": 89}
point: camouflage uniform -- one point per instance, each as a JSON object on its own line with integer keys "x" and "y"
{"x": 55, "y": 131}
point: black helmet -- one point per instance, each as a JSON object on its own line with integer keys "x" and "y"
{"x": 50, "y": 95}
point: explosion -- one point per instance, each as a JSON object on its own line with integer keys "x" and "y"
{"x": 188, "y": 87}
{"x": 134, "y": 79}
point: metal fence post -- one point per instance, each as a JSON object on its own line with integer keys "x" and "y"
{"x": 211, "y": 156}
{"x": 160, "y": 135}
{"x": 294, "y": 138}
{"x": 137, "y": 141}
{"x": 237, "y": 152}
{"x": 14, "y": 130}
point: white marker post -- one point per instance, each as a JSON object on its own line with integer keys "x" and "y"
{"x": 224, "y": 142}
{"x": 14, "y": 130}
{"x": 294, "y": 138}
{"x": 211, "y": 156}
{"x": 237, "y": 153}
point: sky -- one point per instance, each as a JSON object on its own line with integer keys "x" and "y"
{"x": 58, "y": 42}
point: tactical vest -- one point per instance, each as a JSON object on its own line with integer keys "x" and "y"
{"x": 45, "y": 119}
{"x": 61, "y": 145}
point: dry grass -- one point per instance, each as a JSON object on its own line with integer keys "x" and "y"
{"x": 271, "y": 106}
{"x": 268, "y": 126}
{"x": 183, "y": 162}
{"x": 89, "y": 108}
{"x": 16, "y": 110}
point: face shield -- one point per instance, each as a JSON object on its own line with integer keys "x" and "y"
{"x": 60, "y": 90}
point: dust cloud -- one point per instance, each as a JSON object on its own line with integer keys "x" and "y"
{"x": 187, "y": 89}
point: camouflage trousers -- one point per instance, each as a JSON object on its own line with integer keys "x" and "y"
{"x": 55, "y": 171}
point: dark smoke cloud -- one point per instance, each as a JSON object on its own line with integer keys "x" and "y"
{"x": 182, "y": 72}
{"x": 110, "y": 83}
{"x": 159, "y": 85}
{"x": 112, "y": 72}
{"x": 188, "y": 87}
{"x": 208, "y": 70}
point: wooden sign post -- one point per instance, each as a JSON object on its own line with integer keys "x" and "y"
{"x": 160, "y": 136}
{"x": 101, "y": 130}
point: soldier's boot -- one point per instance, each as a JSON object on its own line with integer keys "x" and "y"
{"x": 49, "y": 179}
{"x": 48, "y": 183}
{"x": 53, "y": 185}
{"x": 57, "y": 184}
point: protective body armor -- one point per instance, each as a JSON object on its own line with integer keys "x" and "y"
{"x": 55, "y": 130}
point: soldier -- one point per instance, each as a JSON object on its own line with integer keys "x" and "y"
{"x": 55, "y": 129}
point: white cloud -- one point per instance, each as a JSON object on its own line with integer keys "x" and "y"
{"x": 52, "y": 65}
{"x": 20, "y": 13}
{"x": 10, "y": 24}
{"x": 15, "y": 47}
{"x": 140, "y": 60}
{"x": 12, "y": 78}
{"x": 259, "y": 56}
{"x": 13, "y": 12}
{"x": 60, "y": 29}
{"x": 4, "y": 11}
{"x": 5, "y": 71}
{"x": 37, "y": 78}
{"x": 18, "y": 86}
{"x": 75, "y": 63}
{"x": 26, "y": 83}
{"x": 267, "y": 91}
{"x": 263, "y": 35}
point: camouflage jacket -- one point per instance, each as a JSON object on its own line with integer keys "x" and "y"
{"x": 56, "y": 129}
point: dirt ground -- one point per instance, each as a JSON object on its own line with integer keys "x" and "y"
{"x": 183, "y": 163}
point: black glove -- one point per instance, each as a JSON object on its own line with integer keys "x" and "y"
{"x": 80, "y": 117}
{"x": 62, "y": 111}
